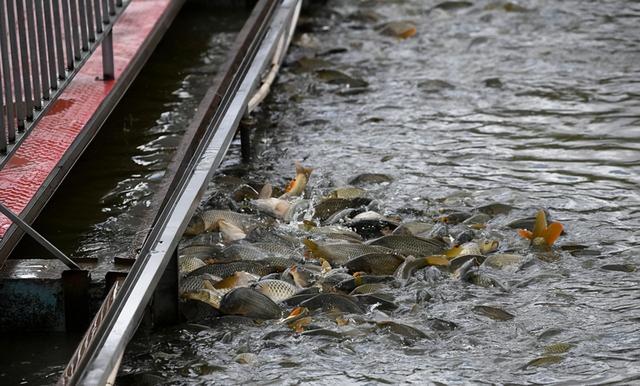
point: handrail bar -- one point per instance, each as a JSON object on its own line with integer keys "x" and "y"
{"x": 43, "y": 45}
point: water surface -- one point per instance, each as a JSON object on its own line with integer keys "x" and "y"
{"x": 535, "y": 106}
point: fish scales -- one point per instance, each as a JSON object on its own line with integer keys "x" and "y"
{"x": 329, "y": 206}
{"x": 227, "y": 269}
{"x": 276, "y": 290}
{"x": 375, "y": 263}
{"x": 338, "y": 254}
{"x": 411, "y": 245}
{"x": 187, "y": 264}
{"x": 244, "y": 252}
{"x": 332, "y": 301}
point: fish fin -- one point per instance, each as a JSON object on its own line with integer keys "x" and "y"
{"x": 308, "y": 225}
{"x": 266, "y": 191}
{"x": 438, "y": 260}
{"x": 302, "y": 170}
{"x": 228, "y": 282}
{"x": 282, "y": 207}
{"x": 408, "y": 33}
{"x": 208, "y": 285}
{"x": 540, "y": 225}
{"x": 311, "y": 245}
{"x": 326, "y": 267}
{"x": 526, "y": 234}
{"x": 454, "y": 251}
{"x": 552, "y": 233}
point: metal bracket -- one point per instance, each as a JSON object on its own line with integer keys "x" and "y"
{"x": 37, "y": 237}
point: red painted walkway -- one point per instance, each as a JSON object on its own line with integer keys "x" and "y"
{"x": 42, "y": 151}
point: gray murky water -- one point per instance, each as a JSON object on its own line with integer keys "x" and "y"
{"x": 535, "y": 107}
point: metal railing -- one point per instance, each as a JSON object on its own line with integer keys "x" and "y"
{"x": 43, "y": 44}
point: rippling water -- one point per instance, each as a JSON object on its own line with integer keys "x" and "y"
{"x": 534, "y": 107}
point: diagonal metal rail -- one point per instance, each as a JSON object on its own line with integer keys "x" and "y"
{"x": 218, "y": 118}
{"x": 38, "y": 237}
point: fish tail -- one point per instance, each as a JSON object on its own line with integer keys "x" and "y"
{"x": 266, "y": 191}
{"x": 552, "y": 233}
{"x": 302, "y": 170}
{"x": 540, "y": 225}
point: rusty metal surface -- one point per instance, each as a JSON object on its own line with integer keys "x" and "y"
{"x": 31, "y": 295}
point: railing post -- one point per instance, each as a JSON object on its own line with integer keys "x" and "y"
{"x": 107, "y": 57}
{"x": 15, "y": 67}
{"x": 24, "y": 54}
{"x": 33, "y": 56}
{"x": 6, "y": 78}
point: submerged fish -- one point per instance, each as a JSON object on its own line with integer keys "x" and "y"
{"x": 348, "y": 192}
{"x": 493, "y": 313}
{"x": 302, "y": 276}
{"x": 544, "y": 361}
{"x": 401, "y": 29}
{"x": 370, "y": 178}
{"x": 199, "y": 251}
{"x": 368, "y": 288}
{"x": 402, "y": 329}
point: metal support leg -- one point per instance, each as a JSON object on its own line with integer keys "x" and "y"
{"x": 245, "y": 138}
{"x": 36, "y": 236}
{"x": 164, "y": 305}
{"x": 75, "y": 286}
{"x": 107, "y": 57}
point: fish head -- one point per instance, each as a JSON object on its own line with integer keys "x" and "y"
{"x": 195, "y": 227}
{"x": 488, "y": 246}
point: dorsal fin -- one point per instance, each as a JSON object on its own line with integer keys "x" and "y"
{"x": 266, "y": 191}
